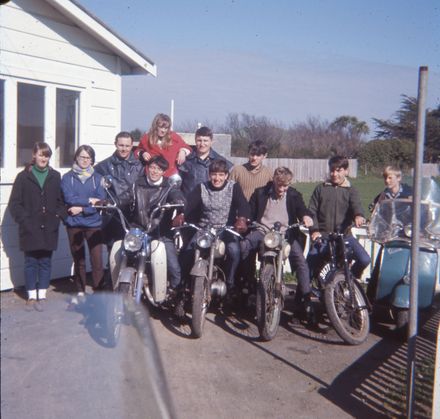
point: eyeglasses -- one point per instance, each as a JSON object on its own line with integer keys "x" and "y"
{"x": 84, "y": 157}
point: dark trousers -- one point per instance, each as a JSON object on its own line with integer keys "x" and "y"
{"x": 360, "y": 256}
{"x": 230, "y": 264}
{"x": 77, "y": 238}
{"x": 37, "y": 269}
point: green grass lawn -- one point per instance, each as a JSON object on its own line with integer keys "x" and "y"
{"x": 368, "y": 187}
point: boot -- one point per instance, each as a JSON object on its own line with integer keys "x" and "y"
{"x": 309, "y": 310}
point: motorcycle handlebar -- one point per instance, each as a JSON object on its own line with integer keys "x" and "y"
{"x": 229, "y": 229}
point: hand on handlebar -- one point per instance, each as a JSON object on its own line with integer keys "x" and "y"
{"x": 316, "y": 235}
{"x": 240, "y": 225}
{"x": 178, "y": 220}
{"x": 99, "y": 202}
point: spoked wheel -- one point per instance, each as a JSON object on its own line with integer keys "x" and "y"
{"x": 114, "y": 314}
{"x": 200, "y": 303}
{"x": 269, "y": 304}
{"x": 351, "y": 322}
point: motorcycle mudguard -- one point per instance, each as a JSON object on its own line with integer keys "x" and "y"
{"x": 158, "y": 271}
{"x": 400, "y": 297}
{"x": 127, "y": 275}
{"x": 394, "y": 267}
{"x": 200, "y": 268}
{"x": 115, "y": 261}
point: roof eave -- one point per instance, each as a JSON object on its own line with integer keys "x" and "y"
{"x": 137, "y": 62}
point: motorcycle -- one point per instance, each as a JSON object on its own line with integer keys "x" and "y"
{"x": 390, "y": 228}
{"x": 138, "y": 266}
{"x": 270, "y": 283}
{"x": 208, "y": 279}
{"x": 343, "y": 297}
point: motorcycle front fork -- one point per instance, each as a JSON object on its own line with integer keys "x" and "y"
{"x": 139, "y": 278}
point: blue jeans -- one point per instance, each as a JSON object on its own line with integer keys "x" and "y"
{"x": 360, "y": 256}
{"x": 37, "y": 269}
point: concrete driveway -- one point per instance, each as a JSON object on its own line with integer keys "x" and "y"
{"x": 57, "y": 364}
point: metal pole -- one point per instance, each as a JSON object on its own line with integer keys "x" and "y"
{"x": 172, "y": 113}
{"x": 417, "y": 194}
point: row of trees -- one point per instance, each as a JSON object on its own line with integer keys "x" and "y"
{"x": 393, "y": 140}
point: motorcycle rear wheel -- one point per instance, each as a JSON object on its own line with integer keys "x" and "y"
{"x": 352, "y": 324}
{"x": 200, "y": 303}
{"x": 269, "y": 304}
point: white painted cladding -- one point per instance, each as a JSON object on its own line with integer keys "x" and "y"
{"x": 40, "y": 45}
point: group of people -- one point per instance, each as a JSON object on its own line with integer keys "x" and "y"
{"x": 211, "y": 189}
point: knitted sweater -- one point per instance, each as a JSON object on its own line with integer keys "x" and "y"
{"x": 250, "y": 179}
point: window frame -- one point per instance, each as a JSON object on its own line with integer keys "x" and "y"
{"x": 10, "y": 168}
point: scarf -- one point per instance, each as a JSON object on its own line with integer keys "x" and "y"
{"x": 83, "y": 174}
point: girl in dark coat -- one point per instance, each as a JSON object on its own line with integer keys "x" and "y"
{"x": 37, "y": 206}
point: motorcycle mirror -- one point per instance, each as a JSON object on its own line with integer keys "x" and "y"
{"x": 175, "y": 180}
{"x": 107, "y": 181}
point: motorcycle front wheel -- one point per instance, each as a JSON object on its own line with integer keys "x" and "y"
{"x": 269, "y": 304}
{"x": 114, "y": 314}
{"x": 200, "y": 303}
{"x": 352, "y": 323}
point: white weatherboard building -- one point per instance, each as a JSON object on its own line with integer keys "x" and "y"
{"x": 60, "y": 82}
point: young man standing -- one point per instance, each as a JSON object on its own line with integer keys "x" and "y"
{"x": 195, "y": 168}
{"x": 335, "y": 206}
{"x": 253, "y": 174}
{"x": 124, "y": 169}
{"x": 392, "y": 177}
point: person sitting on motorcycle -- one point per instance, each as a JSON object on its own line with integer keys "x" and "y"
{"x": 392, "y": 177}
{"x": 335, "y": 205}
{"x": 278, "y": 202}
{"x": 148, "y": 192}
{"x": 218, "y": 202}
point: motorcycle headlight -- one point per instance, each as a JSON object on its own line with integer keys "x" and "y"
{"x": 408, "y": 230}
{"x": 272, "y": 239}
{"x": 204, "y": 240}
{"x": 219, "y": 249}
{"x": 133, "y": 240}
{"x": 286, "y": 251}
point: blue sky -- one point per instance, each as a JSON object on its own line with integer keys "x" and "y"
{"x": 283, "y": 59}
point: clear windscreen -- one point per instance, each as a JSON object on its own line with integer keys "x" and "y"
{"x": 392, "y": 218}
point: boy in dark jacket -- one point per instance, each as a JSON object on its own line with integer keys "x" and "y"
{"x": 196, "y": 166}
{"x": 216, "y": 203}
{"x": 335, "y": 206}
{"x": 148, "y": 192}
{"x": 124, "y": 169}
{"x": 278, "y": 202}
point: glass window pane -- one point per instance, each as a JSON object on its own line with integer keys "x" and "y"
{"x": 67, "y": 126}
{"x": 2, "y": 122}
{"x": 30, "y": 120}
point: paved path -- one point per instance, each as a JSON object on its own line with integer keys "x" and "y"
{"x": 57, "y": 364}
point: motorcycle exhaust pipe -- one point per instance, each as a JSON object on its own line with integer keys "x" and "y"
{"x": 218, "y": 289}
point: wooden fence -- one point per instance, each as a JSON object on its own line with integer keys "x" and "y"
{"x": 304, "y": 170}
